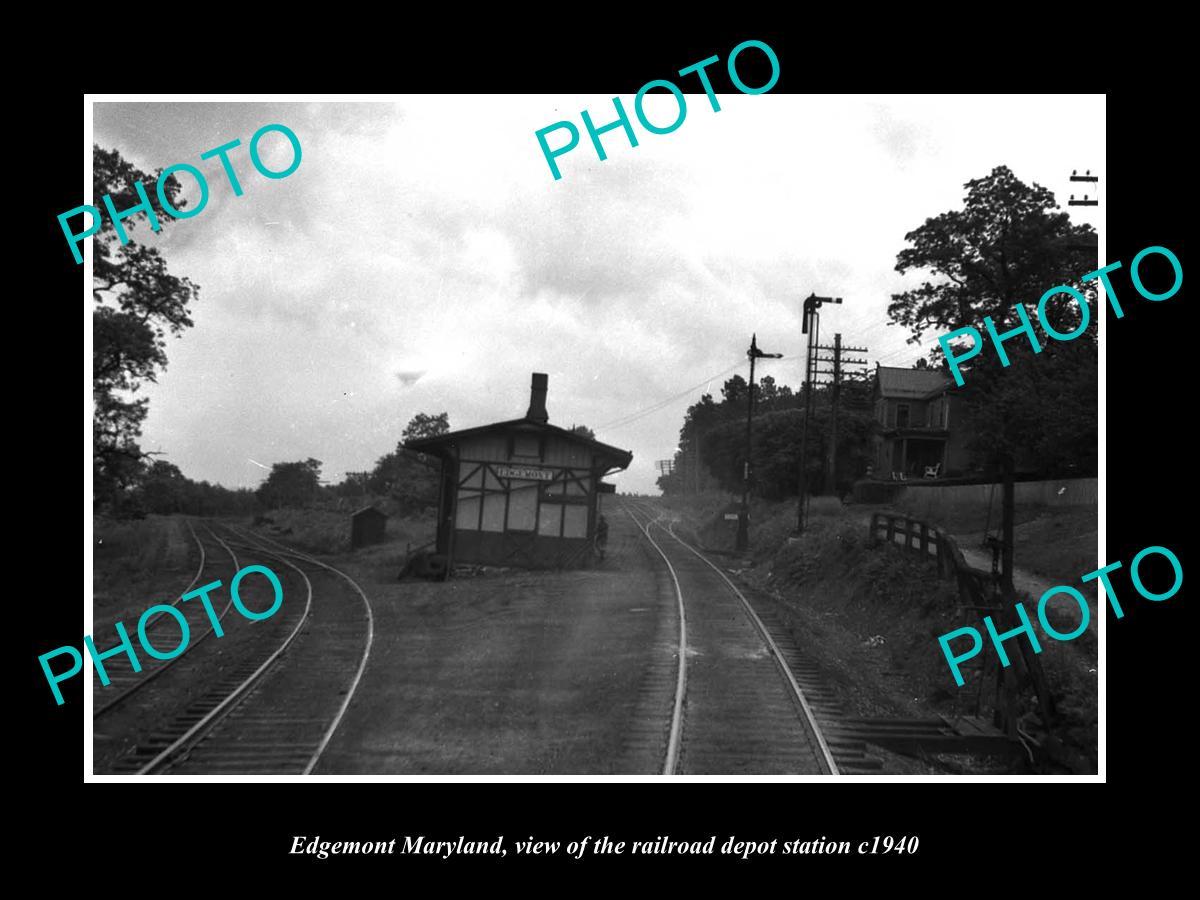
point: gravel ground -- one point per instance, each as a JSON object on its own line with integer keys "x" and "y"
{"x": 512, "y": 672}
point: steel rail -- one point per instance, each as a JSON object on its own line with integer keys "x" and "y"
{"x": 198, "y": 731}
{"x": 362, "y": 666}
{"x": 809, "y": 719}
{"x": 673, "y": 742}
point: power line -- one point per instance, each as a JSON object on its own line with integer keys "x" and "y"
{"x": 633, "y": 417}
{"x": 908, "y": 348}
{"x": 662, "y": 404}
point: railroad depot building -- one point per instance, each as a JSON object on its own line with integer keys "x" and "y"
{"x": 522, "y": 492}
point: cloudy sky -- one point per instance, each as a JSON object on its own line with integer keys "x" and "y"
{"x": 422, "y": 258}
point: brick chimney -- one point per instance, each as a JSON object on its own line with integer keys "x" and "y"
{"x": 537, "y": 399}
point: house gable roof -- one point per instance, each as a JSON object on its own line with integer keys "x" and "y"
{"x": 909, "y": 384}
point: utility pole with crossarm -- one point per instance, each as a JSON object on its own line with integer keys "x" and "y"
{"x": 838, "y": 361}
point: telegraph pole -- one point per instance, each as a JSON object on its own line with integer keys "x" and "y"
{"x": 1047, "y": 707}
{"x": 743, "y": 532}
{"x": 810, "y": 322}
{"x": 831, "y": 478}
{"x": 838, "y": 362}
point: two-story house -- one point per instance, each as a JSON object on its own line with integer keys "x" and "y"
{"x": 920, "y": 423}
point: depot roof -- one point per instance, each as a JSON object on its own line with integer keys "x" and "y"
{"x": 439, "y": 445}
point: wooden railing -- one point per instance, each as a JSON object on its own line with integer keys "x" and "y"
{"x": 978, "y": 592}
{"x": 928, "y": 540}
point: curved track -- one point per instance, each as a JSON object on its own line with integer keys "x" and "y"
{"x": 268, "y": 696}
{"x": 366, "y": 651}
{"x": 279, "y": 718}
{"x": 731, "y": 713}
{"x": 215, "y": 710}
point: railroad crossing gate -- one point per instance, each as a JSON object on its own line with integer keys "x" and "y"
{"x": 521, "y": 492}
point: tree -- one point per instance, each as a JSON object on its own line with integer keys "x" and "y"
{"x": 768, "y": 396}
{"x": 355, "y": 484}
{"x": 407, "y": 477}
{"x": 734, "y": 391}
{"x": 699, "y": 418}
{"x": 776, "y": 443}
{"x": 163, "y": 488}
{"x": 1006, "y": 245}
{"x": 584, "y": 430}
{"x": 1009, "y": 244}
{"x": 715, "y": 435}
{"x": 138, "y": 303}
{"x": 291, "y": 484}
{"x": 423, "y": 425}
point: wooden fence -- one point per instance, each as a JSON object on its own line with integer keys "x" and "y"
{"x": 928, "y": 540}
{"x": 977, "y": 591}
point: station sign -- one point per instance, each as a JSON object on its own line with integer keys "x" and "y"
{"x": 526, "y": 473}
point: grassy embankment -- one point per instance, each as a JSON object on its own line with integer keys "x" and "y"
{"x": 135, "y": 564}
{"x": 327, "y": 531}
{"x": 1057, "y": 544}
{"x": 140, "y": 562}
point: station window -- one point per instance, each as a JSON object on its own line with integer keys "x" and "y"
{"x": 493, "y": 512}
{"x": 575, "y": 521}
{"x": 550, "y": 519}
{"x": 522, "y": 505}
{"x": 468, "y": 512}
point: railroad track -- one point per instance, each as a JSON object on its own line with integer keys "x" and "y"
{"x": 741, "y": 702}
{"x": 124, "y": 683}
{"x": 276, "y": 707}
{"x": 362, "y": 656}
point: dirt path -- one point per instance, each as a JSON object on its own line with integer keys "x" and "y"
{"x": 1063, "y": 612}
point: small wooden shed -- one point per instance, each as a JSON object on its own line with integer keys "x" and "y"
{"x": 367, "y": 526}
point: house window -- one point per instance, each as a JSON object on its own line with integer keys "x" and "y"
{"x": 902, "y": 415}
